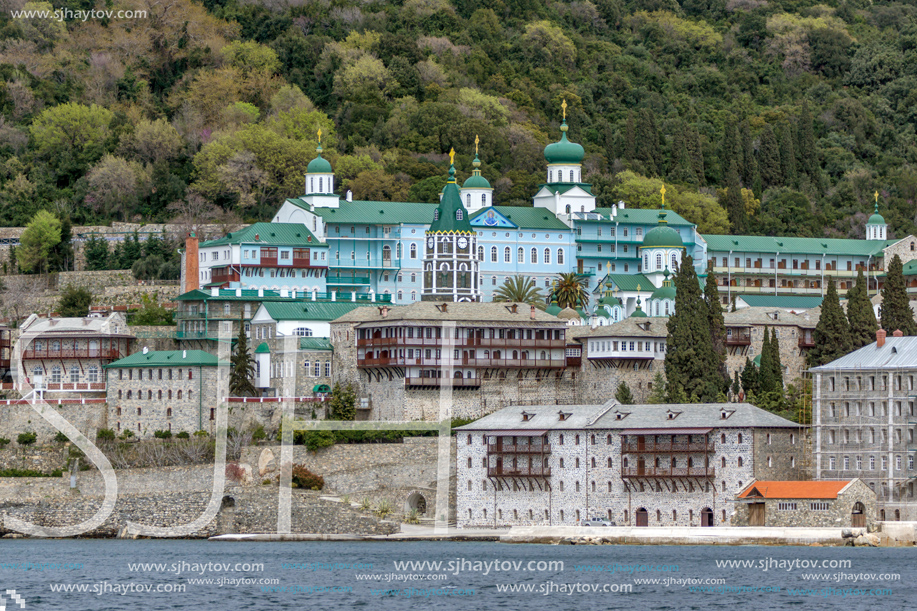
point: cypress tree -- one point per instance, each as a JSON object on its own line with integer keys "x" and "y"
{"x": 730, "y": 148}
{"x": 630, "y": 137}
{"x": 788, "y": 155}
{"x": 775, "y": 364}
{"x": 681, "y": 170}
{"x": 808, "y": 161}
{"x": 749, "y": 164}
{"x": 690, "y": 363}
{"x": 696, "y": 153}
{"x": 717, "y": 327}
{"x": 243, "y": 368}
{"x": 623, "y": 394}
{"x": 896, "y": 310}
{"x": 769, "y": 159}
{"x": 736, "y": 384}
{"x": 860, "y": 315}
{"x": 766, "y": 382}
{"x": 647, "y": 142}
{"x": 832, "y": 333}
{"x": 735, "y": 205}
{"x": 749, "y": 378}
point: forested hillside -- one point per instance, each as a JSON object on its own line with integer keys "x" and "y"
{"x": 761, "y": 116}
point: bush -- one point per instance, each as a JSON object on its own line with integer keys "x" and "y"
{"x": 26, "y": 439}
{"x": 25, "y": 473}
{"x": 126, "y": 434}
{"x": 384, "y": 508}
{"x": 183, "y": 435}
{"x": 234, "y": 472}
{"x": 316, "y": 440}
{"x": 201, "y": 433}
{"x": 160, "y": 434}
{"x": 4, "y": 442}
{"x": 412, "y": 517}
{"x": 258, "y": 434}
{"x": 303, "y": 478}
{"x": 106, "y": 435}
{"x": 61, "y": 438}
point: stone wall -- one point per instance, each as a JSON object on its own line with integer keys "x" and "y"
{"x": 838, "y": 514}
{"x": 780, "y": 454}
{"x": 44, "y": 458}
{"x": 792, "y": 357}
{"x": 22, "y": 418}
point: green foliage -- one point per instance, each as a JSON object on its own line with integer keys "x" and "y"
{"x": 896, "y": 313}
{"x": 183, "y": 435}
{"x": 623, "y": 394}
{"x": 832, "y": 333}
{"x": 659, "y": 392}
{"x": 151, "y": 312}
{"x": 162, "y": 434}
{"x": 860, "y": 315}
{"x": 26, "y": 439}
{"x": 12, "y": 472}
{"x": 106, "y": 435}
{"x": 316, "y": 440}
{"x": 4, "y": 442}
{"x": 125, "y": 434}
{"x": 343, "y": 403}
{"x": 749, "y": 378}
{"x": 303, "y": 478}
{"x": 37, "y": 242}
{"x": 717, "y": 326}
{"x": 74, "y": 302}
{"x": 61, "y": 437}
{"x": 569, "y": 291}
{"x": 258, "y": 434}
{"x": 520, "y": 289}
{"x": 242, "y": 367}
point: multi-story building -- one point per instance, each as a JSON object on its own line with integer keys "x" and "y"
{"x": 794, "y": 333}
{"x": 173, "y": 390}
{"x": 643, "y": 465}
{"x": 864, "y": 418}
{"x": 492, "y": 353}
{"x": 66, "y": 355}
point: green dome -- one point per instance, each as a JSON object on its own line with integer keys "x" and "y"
{"x": 664, "y": 292}
{"x": 876, "y": 219}
{"x": 638, "y": 314}
{"x": 610, "y": 301}
{"x": 262, "y": 349}
{"x": 553, "y": 309}
{"x": 662, "y": 236}
{"x": 319, "y": 165}
{"x": 564, "y": 152}
{"x": 476, "y": 181}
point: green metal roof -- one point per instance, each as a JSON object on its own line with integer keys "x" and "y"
{"x": 564, "y": 152}
{"x": 639, "y": 216}
{"x": 476, "y": 181}
{"x": 315, "y": 343}
{"x": 562, "y": 188}
{"x": 627, "y": 282}
{"x": 321, "y": 388}
{"x": 167, "y": 358}
{"x": 529, "y": 217}
{"x": 802, "y": 246}
{"x": 270, "y": 234}
{"x": 782, "y": 301}
{"x": 553, "y": 309}
{"x": 263, "y": 348}
{"x": 909, "y": 269}
{"x": 664, "y": 292}
{"x": 451, "y": 215}
{"x": 373, "y": 212}
{"x": 319, "y": 165}
{"x": 309, "y": 310}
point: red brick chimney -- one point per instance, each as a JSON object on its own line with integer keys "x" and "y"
{"x": 192, "y": 273}
{"x": 532, "y": 313}
{"x": 897, "y": 333}
{"x": 880, "y": 338}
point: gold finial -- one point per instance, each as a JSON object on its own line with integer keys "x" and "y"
{"x": 452, "y": 156}
{"x": 876, "y": 194}
{"x": 638, "y": 290}
{"x": 563, "y": 107}
{"x": 476, "y": 141}
{"x": 319, "y": 135}
{"x": 662, "y": 191}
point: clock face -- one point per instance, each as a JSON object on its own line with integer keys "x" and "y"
{"x": 463, "y": 243}
{"x": 429, "y": 242}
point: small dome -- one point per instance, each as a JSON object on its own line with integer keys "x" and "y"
{"x": 476, "y": 181}
{"x": 262, "y": 349}
{"x": 553, "y": 309}
{"x": 610, "y": 301}
{"x": 319, "y": 165}
{"x": 564, "y": 152}
{"x": 664, "y": 292}
{"x": 876, "y": 219}
{"x": 638, "y": 313}
{"x": 568, "y": 314}
{"x": 662, "y": 236}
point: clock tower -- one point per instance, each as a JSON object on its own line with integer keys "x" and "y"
{"x": 450, "y": 263}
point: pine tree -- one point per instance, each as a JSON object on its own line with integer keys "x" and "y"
{"x": 788, "y": 155}
{"x": 860, "y": 315}
{"x": 623, "y": 394}
{"x": 769, "y": 159}
{"x": 832, "y": 333}
{"x": 736, "y": 384}
{"x": 717, "y": 327}
{"x": 808, "y": 160}
{"x": 735, "y": 204}
{"x": 343, "y": 403}
{"x": 730, "y": 148}
{"x": 896, "y": 310}
{"x": 242, "y": 367}
{"x": 766, "y": 381}
{"x": 749, "y": 163}
{"x": 659, "y": 394}
{"x": 96, "y": 251}
{"x": 690, "y": 363}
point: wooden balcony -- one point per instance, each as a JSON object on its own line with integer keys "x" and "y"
{"x": 518, "y": 448}
{"x": 668, "y": 472}
{"x": 438, "y": 382}
{"x": 440, "y": 362}
{"x": 806, "y": 341}
{"x": 75, "y": 386}
{"x": 738, "y": 339}
{"x": 574, "y": 361}
{"x": 665, "y": 447}
{"x": 526, "y": 471}
{"x": 464, "y": 342}
{"x": 72, "y": 353}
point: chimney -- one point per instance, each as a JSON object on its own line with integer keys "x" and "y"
{"x": 621, "y": 205}
{"x": 532, "y": 313}
{"x": 215, "y": 291}
{"x": 146, "y": 349}
{"x": 349, "y": 195}
{"x": 384, "y": 311}
{"x": 880, "y": 338}
{"x": 284, "y": 293}
{"x": 257, "y": 237}
{"x": 260, "y": 291}
{"x": 897, "y": 333}
{"x": 184, "y": 354}
{"x": 238, "y": 292}
{"x": 192, "y": 272}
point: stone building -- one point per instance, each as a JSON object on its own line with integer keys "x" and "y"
{"x": 493, "y": 354}
{"x": 864, "y": 419}
{"x": 64, "y": 356}
{"x": 643, "y": 465}
{"x": 171, "y": 390}
{"x": 805, "y": 503}
{"x": 294, "y": 367}
{"x": 794, "y": 332}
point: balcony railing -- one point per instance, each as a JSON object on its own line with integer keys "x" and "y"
{"x": 528, "y": 471}
{"x": 190, "y": 335}
{"x": 665, "y": 447}
{"x": 806, "y": 341}
{"x": 440, "y": 362}
{"x": 356, "y": 280}
{"x": 463, "y": 342}
{"x": 519, "y": 448}
{"x": 190, "y": 315}
{"x": 75, "y": 386}
{"x": 72, "y": 353}
{"x": 455, "y": 382}
{"x": 668, "y": 472}
{"x": 738, "y": 339}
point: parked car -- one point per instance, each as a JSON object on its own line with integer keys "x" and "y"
{"x": 596, "y": 522}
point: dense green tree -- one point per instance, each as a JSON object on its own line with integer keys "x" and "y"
{"x": 242, "y": 367}
{"x": 749, "y": 163}
{"x": 860, "y": 314}
{"x": 343, "y": 403}
{"x": 648, "y": 151}
{"x": 520, "y": 289}
{"x": 769, "y": 159}
{"x": 151, "y": 312}
{"x": 832, "y": 333}
{"x": 623, "y": 394}
{"x": 74, "y": 302}
{"x": 749, "y": 378}
{"x": 691, "y": 366}
{"x": 60, "y": 259}
{"x": 788, "y": 155}
{"x": 717, "y": 326}
{"x": 658, "y": 394}
{"x": 38, "y": 241}
{"x": 895, "y": 311}
{"x": 569, "y": 291}
{"x": 806, "y": 153}
{"x": 766, "y": 381}
{"x": 96, "y": 253}
{"x": 735, "y": 203}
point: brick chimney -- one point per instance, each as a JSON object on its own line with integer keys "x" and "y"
{"x": 532, "y": 313}
{"x": 897, "y": 333}
{"x": 880, "y": 338}
{"x": 192, "y": 273}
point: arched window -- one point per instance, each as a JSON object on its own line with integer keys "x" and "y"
{"x": 547, "y": 256}
{"x": 571, "y": 176}
{"x": 149, "y": 395}
{"x": 413, "y": 251}
{"x": 674, "y": 262}
{"x": 75, "y": 373}
{"x": 159, "y": 395}
{"x": 413, "y": 295}
{"x": 37, "y": 371}
{"x": 560, "y": 256}
{"x": 178, "y": 395}
{"x": 480, "y": 253}
{"x": 520, "y": 256}
{"x": 646, "y": 262}
{"x": 534, "y": 257}
{"x": 436, "y": 214}
{"x": 493, "y": 254}
{"x": 568, "y": 212}
{"x": 320, "y": 186}
{"x": 129, "y": 394}
{"x": 468, "y": 200}
{"x": 483, "y": 199}
{"x": 550, "y": 175}
{"x": 507, "y": 255}
{"x": 459, "y": 214}
{"x": 400, "y": 295}
{"x": 302, "y": 332}
{"x": 658, "y": 260}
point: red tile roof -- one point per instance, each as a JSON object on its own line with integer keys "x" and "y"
{"x": 794, "y": 490}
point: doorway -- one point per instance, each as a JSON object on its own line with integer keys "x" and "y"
{"x": 858, "y": 515}
{"x": 756, "y": 514}
{"x": 706, "y": 517}
{"x": 642, "y": 517}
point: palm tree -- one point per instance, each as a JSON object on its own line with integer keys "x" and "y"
{"x": 520, "y": 289}
{"x": 570, "y": 290}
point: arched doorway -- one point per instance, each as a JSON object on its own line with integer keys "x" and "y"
{"x": 858, "y": 515}
{"x": 642, "y": 517}
{"x": 706, "y": 517}
{"x": 416, "y": 501}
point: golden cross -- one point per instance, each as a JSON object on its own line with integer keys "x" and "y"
{"x": 638, "y": 290}
{"x": 476, "y": 140}
{"x": 877, "y": 197}
{"x": 563, "y": 106}
{"x": 608, "y": 267}
{"x": 451, "y": 156}
{"x": 319, "y": 135}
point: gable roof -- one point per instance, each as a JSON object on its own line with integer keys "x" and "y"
{"x": 765, "y": 316}
{"x": 794, "y": 489}
{"x": 272, "y": 234}
{"x": 373, "y": 212}
{"x": 897, "y": 353}
{"x": 425, "y": 311}
{"x": 113, "y": 325}
{"x": 799, "y": 302}
{"x": 626, "y": 282}
{"x": 639, "y": 216}
{"x": 308, "y": 310}
{"x": 629, "y": 327}
{"x": 564, "y": 187}
{"x": 523, "y": 217}
{"x": 167, "y": 358}
{"x": 790, "y": 245}
{"x": 315, "y": 343}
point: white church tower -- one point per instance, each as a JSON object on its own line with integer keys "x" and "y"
{"x": 477, "y": 192}
{"x": 876, "y": 229}
{"x": 320, "y": 181}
